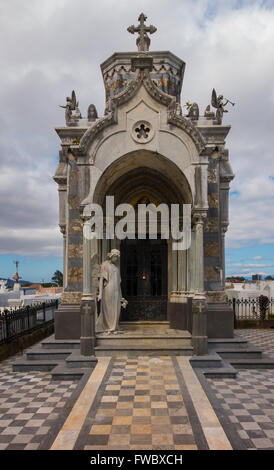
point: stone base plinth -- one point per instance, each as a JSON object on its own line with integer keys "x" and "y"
{"x": 199, "y": 325}
{"x": 179, "y": 314}
{"x": 216, "y": 296}
{"x": 220, "y": 320}
{"x": 67, "y": 322}
{"x": 71, "y": 298}
{"x": 87, "y": 339}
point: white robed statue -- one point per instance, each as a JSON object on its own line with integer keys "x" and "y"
{"x": 110, "y": 295}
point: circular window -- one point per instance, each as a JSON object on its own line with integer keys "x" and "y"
{"x": 142, "y": 132}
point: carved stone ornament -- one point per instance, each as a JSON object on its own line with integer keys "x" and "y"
{"x": 92, "y": 113}
{"x": 143, "y": 41}
{"x": 142, "y": 132}
{"x": 141, "y": 77}
{"x": 72, "y": 105}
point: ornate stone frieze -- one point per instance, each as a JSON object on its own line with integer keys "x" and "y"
{"x": 211, "y": 249}
{"x": 174, "y": 118}
{"x": 212, "y": 175}
{"x": 187, "y": 126}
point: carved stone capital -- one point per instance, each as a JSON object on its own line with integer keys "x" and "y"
{"x": 199, "y": 216}
{"x": 142, "y": 61}
{"x": 62, "y": 229}
{"x": 224, "y": 227}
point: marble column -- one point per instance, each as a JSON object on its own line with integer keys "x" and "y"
{"x": 182, "y": 265}
{"x": 63, "y": 231}
{"x": 223, "y": 232}
{"x": 174, "y": 268}
{"x": 199, "y": 256}
{"x": 87, "y": 309}
{"x": 199, "y": 306}
{"x": 104, "y": 250}
{"x": 191, "y": 264}
{"x": 224, "y": 195}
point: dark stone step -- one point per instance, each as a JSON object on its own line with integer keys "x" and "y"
{"x": 241, "y": 353}
{"x": 50, "y": 354}
{"x": 66, "y": 344}
{"x": 231, "y": 343}
{"x": 222, "y": 372}
{"x": 24, "y": 365}
{"x": 76, "y": 361}
{"x": 62, "y": 372}
{"x": 143, "y": 350}
{"x": 211, "y": 360}
{"x": 263, "y": 363}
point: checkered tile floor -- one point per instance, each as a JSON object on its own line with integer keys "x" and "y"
{"x": 141, "y": 407}
{"x": 30, "y": 402}
{"x": 248, "y": 400}
{"x": 263, "y": 339}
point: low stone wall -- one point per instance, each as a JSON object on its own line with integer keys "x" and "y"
{"x": 243, "y": 324}
{"x": 25, "y": 341}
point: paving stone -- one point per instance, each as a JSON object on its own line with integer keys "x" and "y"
{"x": 140, "y": 405}
{"x": 142, "y": 418}
{"x": 31, "y": 398}
{"x": 248, "y": 400}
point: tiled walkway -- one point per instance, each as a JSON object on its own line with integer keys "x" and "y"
{"x": 139, "y": 403}
{"x": 29, "y": 405}
{"x": 264, "y": 339}
{"x": 248, "y": 400}
{"x": 141, "y": 408}
{"x": 143, "y": 403}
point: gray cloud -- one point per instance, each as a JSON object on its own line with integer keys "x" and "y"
{"x": 54, "y": 46}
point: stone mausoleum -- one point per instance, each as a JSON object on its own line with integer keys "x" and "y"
{"x": 145, "y": 149}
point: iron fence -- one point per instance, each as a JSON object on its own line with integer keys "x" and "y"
{"x": 250, "y": 309}
{"x": 15, "y": 323}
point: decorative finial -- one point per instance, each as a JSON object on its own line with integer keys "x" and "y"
{"x": 143, "y": 40}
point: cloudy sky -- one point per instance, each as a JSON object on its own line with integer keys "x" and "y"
{"x": 49, "y": 47}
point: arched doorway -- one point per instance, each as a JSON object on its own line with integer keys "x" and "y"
{"x": 147, "y": 267}
{"x": 144, "y": 277}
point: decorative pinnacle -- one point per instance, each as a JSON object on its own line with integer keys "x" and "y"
{"x": 143, "y": 40}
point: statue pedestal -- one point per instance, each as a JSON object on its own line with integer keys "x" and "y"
{"x": 199, "y": 326}
{"x": 87, "y": 313}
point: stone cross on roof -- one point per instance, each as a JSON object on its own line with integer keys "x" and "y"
{"x": 143, "y": 40}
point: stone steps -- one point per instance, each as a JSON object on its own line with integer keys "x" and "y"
{"x": 229, "y": 343}
{"x": 226, "y": 372}
{"x": 211, "y": 360}
{"x": 213, "y": 366}
{"x": 25, "y": 365}
{"x": 62, "y": 372}
{"x": 263, "y": 363}
{"x": 76, "y": 361}
{"x": 51, "y": 343}
{"x": 145, "y": 350}
{"x": 241, "y": 353}
{"x": 141, "y": 324}
{"x": 73, "y": 366}
{"x": 47, "y": 354}
{"x": 159, "y": 341}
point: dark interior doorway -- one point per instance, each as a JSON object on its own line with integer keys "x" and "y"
{"x": 144, "y": 279}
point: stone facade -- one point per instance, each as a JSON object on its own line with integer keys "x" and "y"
{"x": 179, "y": 159}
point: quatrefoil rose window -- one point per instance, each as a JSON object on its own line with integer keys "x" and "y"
{"x": 142, "y": 132}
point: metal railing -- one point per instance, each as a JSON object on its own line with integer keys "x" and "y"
{"x": 24, "y": 320}
{"x": 250, "y": 309}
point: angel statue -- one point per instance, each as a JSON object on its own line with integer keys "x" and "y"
{"x": 220, "y": 105}
{"x": 110, "y": 295}
{"x": 92, "y": 113}
{"x": 3, "y": 285}
{"x": 72, "y": 105}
